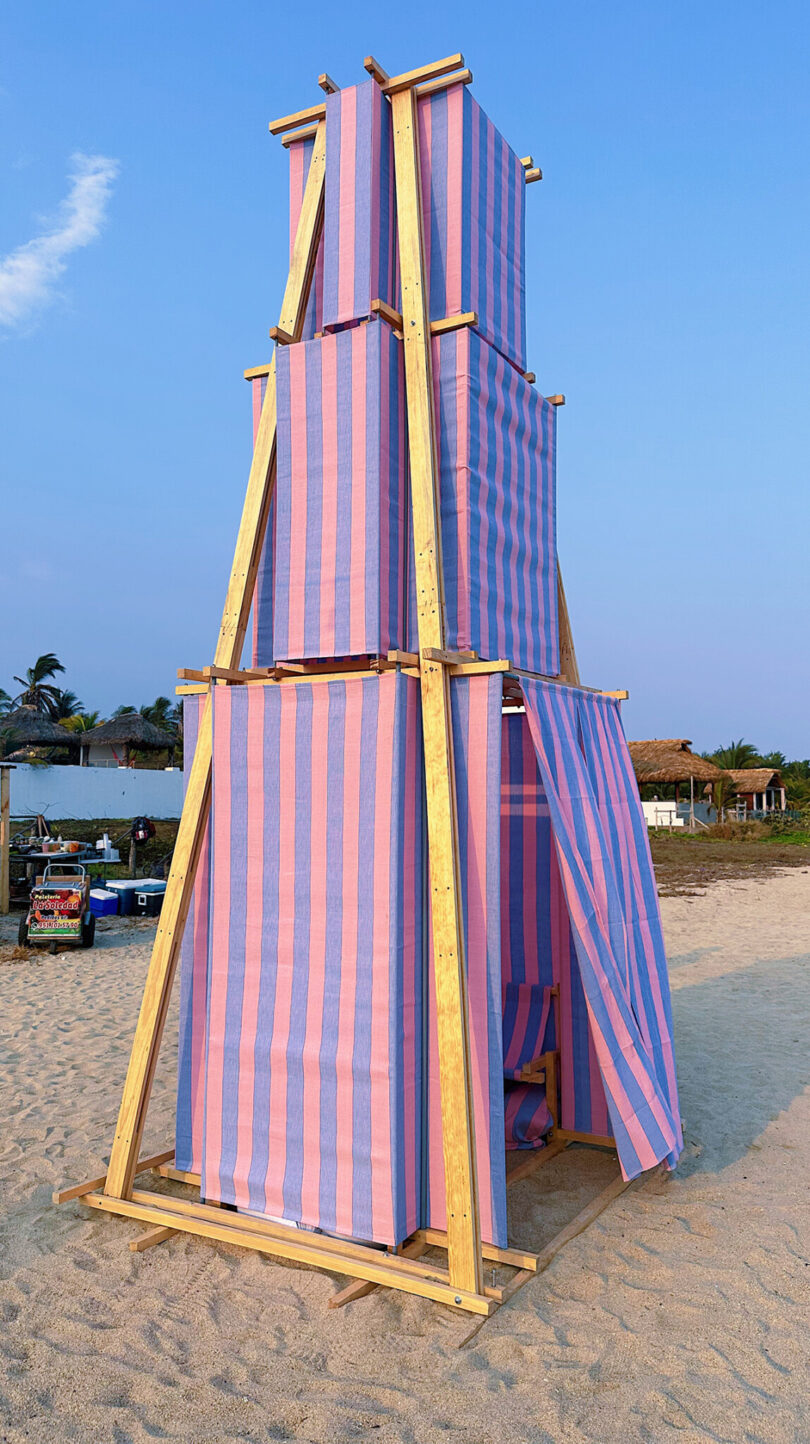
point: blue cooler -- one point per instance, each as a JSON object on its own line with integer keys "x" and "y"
{"x": 103, "y": 903}
{"x": 149, "y": 899}
{"x": 125, "y": 890}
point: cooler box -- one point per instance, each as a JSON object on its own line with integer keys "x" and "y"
{"x": 149, "y": 899}
{"x": 125, "y": 890}
{"x": 103, "y": 903}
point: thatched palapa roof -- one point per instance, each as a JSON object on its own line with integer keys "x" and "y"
{"x": 26, "y": 725}
{"x": 755, "y": 779}
{"x": 669, "y": 759}
{"x": 129, "y": 730}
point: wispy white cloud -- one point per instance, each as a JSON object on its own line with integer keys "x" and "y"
{"x": 29, "y": 275}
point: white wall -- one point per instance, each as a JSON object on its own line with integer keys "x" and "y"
{"x": 85, "y": 792}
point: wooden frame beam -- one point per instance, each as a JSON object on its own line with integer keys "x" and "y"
{"x": 298, "y": 118}
{"x": 410, "y": 78}
{"x": 228, "y": 653}
{"x": 461, "y": 1184}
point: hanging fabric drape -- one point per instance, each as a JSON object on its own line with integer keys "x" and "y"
{"x": 601, "y": 864}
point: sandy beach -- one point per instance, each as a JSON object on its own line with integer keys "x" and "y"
{"x": 682, "y": 1313}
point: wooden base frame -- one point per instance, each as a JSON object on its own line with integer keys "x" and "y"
{"x": 460, "y": 1283}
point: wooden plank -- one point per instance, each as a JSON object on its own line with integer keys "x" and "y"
{"x": 399, "y": 83}
{"x": 461, "y": 77}
{"x": 254, "y": 371}
{"x": 192, "y": 690}
{"x": 480, "y": 669}
{"x": 535, "y": 1160}
{"x": 464, "y": 1233}
{"x": 407, "y": 659}
{"x": 449, "y": 659}
{"x": 305, "y": 132}
{"x": 157, "y": 1162}
{"x": 228, "y": 653}
{"x": 359, "y": 1288}
{"x": 375, "y": 70}
{"x": 533, "y": 175}
{"x": 298, "y": 117}
{"x": 556, "y": 400}
{"x": 527, "y": 161}
{"x": 529, "y": 376}
{"x": 327, "y": 84}
{"x": 381, "y": 308}
{"x": 569, "y": 670}
{"x": 453, "y": 323}
{"x": 179, "y": 1175}
{"x": 599, "y": 1140}
{"x": 280, "y": 336}
{"x": 5, "y": 836}
{"x": 298, "y": 1245}
{"x": 514, "y": 1257}
{"x": 150, "y": 1238}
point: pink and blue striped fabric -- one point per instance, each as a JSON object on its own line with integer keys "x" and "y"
{"x": 341, "y": 496}
{"x": 193, "y": 983}
{"x": 496, "y": 444}
{"x": 609, "y": 889}
{"x": 473, "y": 205}
{"x": 537, "y": 945}
{"x": 300, "y": 157}
{"x": 476, "y": 717}
{"x": 313, "y": 1052}
{"x": 526, "y": 1116}
{"x": 359, "y": 224}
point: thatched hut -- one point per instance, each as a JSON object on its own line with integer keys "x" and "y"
{"x": 25, "y": 731}
{"x": 669, "y": 760}
{"x": 123, "y": 735}
{"x": 760, "y": 788}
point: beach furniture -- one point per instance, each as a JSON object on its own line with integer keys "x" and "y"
{"x": 411, "y": 896}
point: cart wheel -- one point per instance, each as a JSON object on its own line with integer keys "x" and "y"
{"x": 53, "y": 949}
{"x": 22, "y": 932}
{"x": 89, "y": 930}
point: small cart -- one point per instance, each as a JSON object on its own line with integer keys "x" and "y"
{"x": 59, "y": 910}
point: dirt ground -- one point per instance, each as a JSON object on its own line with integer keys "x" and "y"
{"x": 686, "y": 864}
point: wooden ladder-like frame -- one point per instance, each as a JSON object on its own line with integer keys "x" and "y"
{"x": 461, "y": 1283}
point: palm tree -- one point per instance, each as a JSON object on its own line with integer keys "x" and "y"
{"x": 161, "y": 712}
{"x": 63, "y": 705}
{"x": 5, "y": 702}
{"x": 122, "y": 711}
{"x": 37, "y": 690}
{"x": 736, "y": 755}
{"x": 776, "y": 760}
{"x": 82, "y": 721}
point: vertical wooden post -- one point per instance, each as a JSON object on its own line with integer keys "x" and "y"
{"x": 569, "y": 671}
{"x": 196, "y": 807}
{"x": 463, "y": 1228}
{"x": 5, "y": 836}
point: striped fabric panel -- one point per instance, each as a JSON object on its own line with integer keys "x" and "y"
{"x": 526, "y": 1115}
{"x": 537, "y": 945}
{"x": 611, "y": 771}
{"x": 341, "y": 497}
{"x": 263, "y": 593}
{"x": 313, "y": 1064}
{"x": 497, "y": 474}
{"x": 193, "y": 983}
{"x": 300, "y": 157}
{"x": 359, "y": 224}
{"x": 473, "y": 202}
{"x": 643, "y": 1113}
{"x": 476, "y": 715}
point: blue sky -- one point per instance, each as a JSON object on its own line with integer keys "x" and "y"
{"x": 667, "y": 291}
